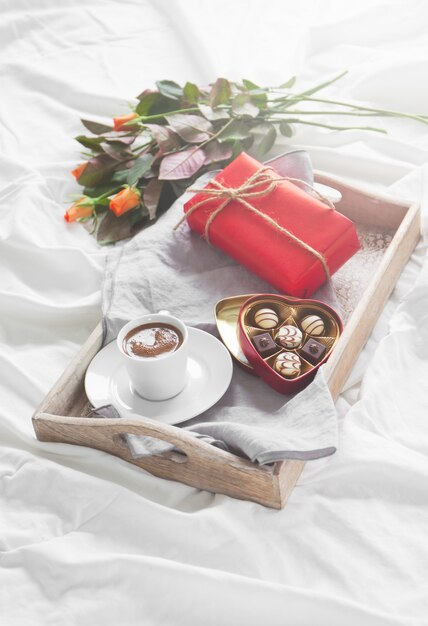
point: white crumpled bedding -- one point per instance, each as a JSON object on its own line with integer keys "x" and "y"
{"x": 87, "y": 539}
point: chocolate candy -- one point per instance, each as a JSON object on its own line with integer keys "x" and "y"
{"x": 266, "y": 318}
{"x": 288, "y": 364}
{"x": 289, "y": 336}
{"x": 265, "y": 345}
{"x": 313, "y": 351}
{"x": 313, "y": 325}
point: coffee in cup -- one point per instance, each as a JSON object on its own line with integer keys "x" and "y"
{"x": 152, "y": 340}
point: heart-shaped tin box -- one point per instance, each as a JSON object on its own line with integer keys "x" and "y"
{"x": 291, "y": 336}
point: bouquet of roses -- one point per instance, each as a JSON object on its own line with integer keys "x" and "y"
{"x": 135, "y": 168}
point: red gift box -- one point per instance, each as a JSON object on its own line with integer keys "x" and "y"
{"x": 278, "y": 231}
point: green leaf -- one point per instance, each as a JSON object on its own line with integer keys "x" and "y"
{"x": 163, "y": 105}
{"x": 220, "y": 92}
{"x": 112, "y": 228}
{"x": 289, "y": 83}
{"x": 151, "y": 196}
{"x": 147, "y": 100}
{"x": 120, "y": 176}
{"x": 114, "y": 147}
{"x": 285, "y": 129}
{"x": 97, "y": 170}
{"x": 145, "y": 93}
{"x": 237, "y": 149}
{"x": 154, "y": 103}
{"x": 213, "y": 115}
{"x": 117, "y": 150}
{"x": 142, "y": 140}
{"x": 191, "y": 92}
{"x": 191, "y": 128}
{"x": 140, "y": 167}
{"x": 236, "y": 131}
{"x": 250, "y": 86}
{"x": 257, "y": 95}
{"x": 125, "y": 139}
{"x": 96, "y": 127}
{"x": 265, "y": 135}
{"x": 242, "y": 105}
{"x": 109, "y": 188}
{"x": 248, "y": 142}
{"x": 93, "y": 143}
{"x": 165, "y": 137}
{"x": 170, "y": 89}
{"x": 215, "y": 151}
{"x": 182, "y": 164}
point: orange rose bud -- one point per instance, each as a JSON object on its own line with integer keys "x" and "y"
{"x": 77, "y": 172}
{"x": 81, "y": 208}
{"x": 119, "y": 122}
{"x": 125, "y": 200}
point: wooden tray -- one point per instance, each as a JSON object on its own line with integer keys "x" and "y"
{"x": 63, "y": 414}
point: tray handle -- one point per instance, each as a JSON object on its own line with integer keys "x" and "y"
{"x": 107, "y": 434}
{"x": 199, "y": 464}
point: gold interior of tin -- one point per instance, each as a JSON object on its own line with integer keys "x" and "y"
{"x": 226, "y": 316}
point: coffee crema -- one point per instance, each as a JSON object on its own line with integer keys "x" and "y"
{"x": 152, "y": 340}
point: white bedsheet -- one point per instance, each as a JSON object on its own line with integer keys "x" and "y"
{"x": 87, "y": 539}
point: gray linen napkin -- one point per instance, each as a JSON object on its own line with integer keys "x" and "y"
{"x": 177, "y": 271}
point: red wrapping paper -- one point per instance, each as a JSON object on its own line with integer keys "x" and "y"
{"x": 264, "y": 250}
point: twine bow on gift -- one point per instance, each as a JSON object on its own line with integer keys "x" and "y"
{"x": 258, "y": 185}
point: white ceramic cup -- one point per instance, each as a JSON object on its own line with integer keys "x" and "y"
{"x": 161, "y": 377}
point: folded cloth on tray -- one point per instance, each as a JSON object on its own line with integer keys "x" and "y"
{"x": 178, "y": 271}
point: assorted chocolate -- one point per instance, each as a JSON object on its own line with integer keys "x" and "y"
{"x": 266, "y": 318}
{"x": 313, "y": 351}
{"x": 291, "y": 341}
{"x": 313, "y": 325}
{"x": 289, "y": 336}
{"x": 265, "y": 345}
{"x": 288, "y": 364}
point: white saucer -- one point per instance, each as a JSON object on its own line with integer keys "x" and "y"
{"x": 209, "y": 374}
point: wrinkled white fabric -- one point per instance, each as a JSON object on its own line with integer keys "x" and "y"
{"x": 89, "y": 539}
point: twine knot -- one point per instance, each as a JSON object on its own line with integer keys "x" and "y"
{"x": 231, "y": 193}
